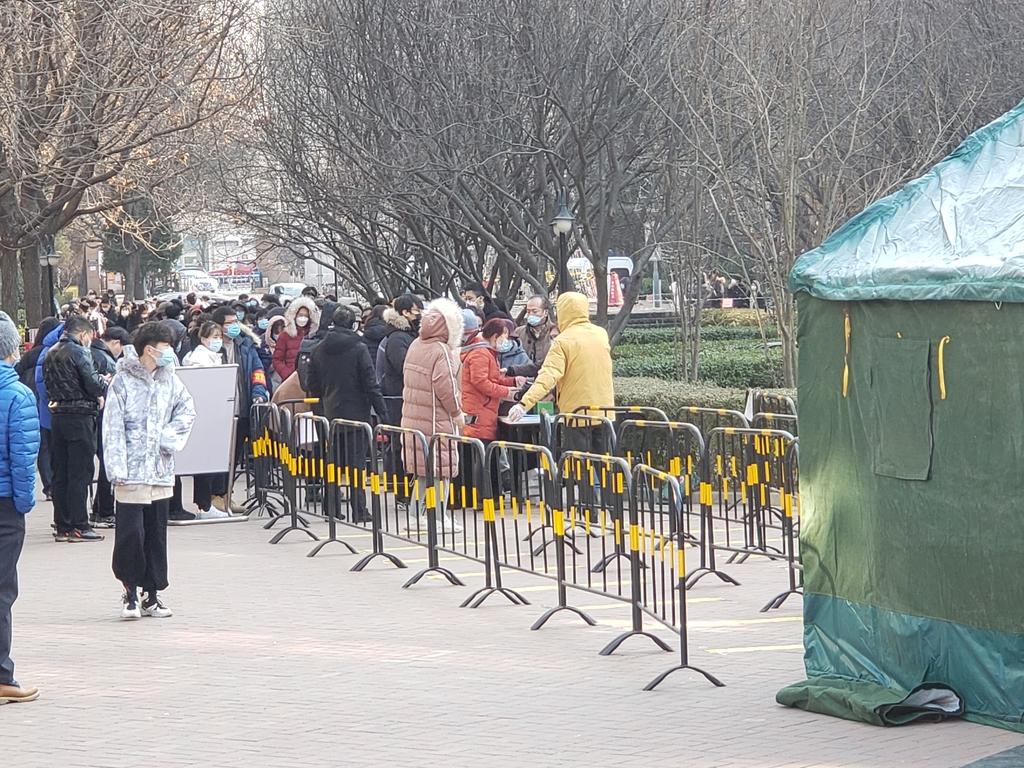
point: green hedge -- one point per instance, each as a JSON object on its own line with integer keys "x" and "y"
{"x": 635, "y": 336}
{"x": 672, "y": 396}
{"x": 729, "y": 364}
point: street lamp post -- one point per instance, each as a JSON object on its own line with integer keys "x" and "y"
{"x": 562, "y": 225}
{"x": 50, "y": 260}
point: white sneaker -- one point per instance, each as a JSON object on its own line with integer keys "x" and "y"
{"x": 131, "y": 608}
{"x": 418, "y": 525}
{"x": 450, "y": 525}
{"x": 211, "y": 514}
{"x": 156, "y": 608}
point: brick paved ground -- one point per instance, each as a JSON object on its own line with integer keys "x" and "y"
{"x": 274, "y": 659}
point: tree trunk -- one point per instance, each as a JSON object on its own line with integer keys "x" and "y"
{"x": 785, "y": 316}
{"x": 35, "y": 300}
{"x": 9, "y": 282}
{"x": 131, "y": 272}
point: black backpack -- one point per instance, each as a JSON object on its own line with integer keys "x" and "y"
{"x": 302, "y": 359}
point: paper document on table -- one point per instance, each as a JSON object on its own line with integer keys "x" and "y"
{"x": 530, "y": 418}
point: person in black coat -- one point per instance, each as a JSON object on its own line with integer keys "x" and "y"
{"x": 375, "y": 329}
{"x": 341, "y": 375}
{"x": 403, "y": 328}
{"x": 75, "y": 394}
{"x": 105, "y": 352}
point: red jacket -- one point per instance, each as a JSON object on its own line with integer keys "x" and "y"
{"x": 483, "y": 388}
{"x": 287, "y": 352}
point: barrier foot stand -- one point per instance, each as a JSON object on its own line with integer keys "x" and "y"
{"x": 386, "y": 555}
{"x": 543, "y": 619}
{"x": 540, "y": 549}
{"x": 657, "y": 681}
{"x": 607, "y": 560}
{"x": 694, "y": 576}
{"x": 609, "y": 649}
{"x": 281, "y": 534}
{"x": 455, "y": 580}
{"x": 351, "y": 550}
{"x": 778, "y": 600}
{"x": 484, "y": 592}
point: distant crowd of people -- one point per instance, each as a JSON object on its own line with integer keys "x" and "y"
{"x": 98, "y": 388}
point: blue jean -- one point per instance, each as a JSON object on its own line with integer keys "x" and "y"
{"x": 12, "y": 537}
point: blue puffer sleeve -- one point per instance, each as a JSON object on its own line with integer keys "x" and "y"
{"x": 24, "y": 444}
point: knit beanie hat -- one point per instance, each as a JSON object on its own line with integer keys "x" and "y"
{"x": 470, "y": 320}
{"x": 10, "y": 341}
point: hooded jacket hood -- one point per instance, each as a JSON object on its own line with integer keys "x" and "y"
{"x": 396, "y": 320}
{"x": 442, "y": 321}
{"x": 277, "y": 320}
{"x": 573, "y": 309}
{"x": 303, "y": 302}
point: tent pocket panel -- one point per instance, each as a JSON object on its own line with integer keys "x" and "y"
{"x": 901, "y": 408}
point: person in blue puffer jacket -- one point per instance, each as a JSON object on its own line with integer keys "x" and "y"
{"x": 44, "y": 412}
{"x": 19, "y": 443}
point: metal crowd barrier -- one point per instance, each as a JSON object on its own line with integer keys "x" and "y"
{"x": 613, "y": 525}
{"x": 767, "y": 420}
{"x": 745, "y": 470}
{"x": 657, "y": 531}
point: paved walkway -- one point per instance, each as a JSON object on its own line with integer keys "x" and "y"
{"x": 274, "y": 659}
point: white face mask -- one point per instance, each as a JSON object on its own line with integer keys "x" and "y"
{"x": 301, "y": 321}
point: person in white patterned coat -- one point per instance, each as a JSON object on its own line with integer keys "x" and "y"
{"x": 147, "y": 419}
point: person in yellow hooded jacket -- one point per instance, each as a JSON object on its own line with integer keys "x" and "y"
{"x": 579, "y": 365}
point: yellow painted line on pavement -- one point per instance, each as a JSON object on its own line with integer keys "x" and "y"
{"x": 756, "y": 649}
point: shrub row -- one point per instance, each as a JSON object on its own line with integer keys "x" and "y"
{"x": 673, "y": 396}
{"x": 729, "y": 364}
{"x": 633, "y": 336}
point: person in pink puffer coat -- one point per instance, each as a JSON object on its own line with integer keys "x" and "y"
{"x": 432, "y": 398}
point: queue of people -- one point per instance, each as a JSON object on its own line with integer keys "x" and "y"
{"x": 99, "y": 387}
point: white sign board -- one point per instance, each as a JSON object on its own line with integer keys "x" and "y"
{"x": 210, "y": 447}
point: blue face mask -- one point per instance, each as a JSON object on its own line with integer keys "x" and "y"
{"x": 263, "y": 324}
{"x": 505, "y": 346}
{"x": 164, "y": 358}
{"x": 233, "y": 330}
{"x": 216, "y": 345}
{"x": 253, "y": 302}
{"x": 240, "y": 316}
{"x": 534, "y": 320}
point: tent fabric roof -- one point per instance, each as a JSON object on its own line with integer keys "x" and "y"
{"x": 956, "y": 233}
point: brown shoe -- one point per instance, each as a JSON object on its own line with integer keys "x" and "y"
{"x": 11, "y": 694}
{"x": 218, "y": 502}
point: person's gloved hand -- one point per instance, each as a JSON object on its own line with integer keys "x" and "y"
{"x": 516, "y": 414}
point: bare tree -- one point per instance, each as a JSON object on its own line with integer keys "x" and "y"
{"x": 99, "y": 101}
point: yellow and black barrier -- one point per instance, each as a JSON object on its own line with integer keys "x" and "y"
{"x": 790, "y": 493}
{"x": 619, "y": 525}
{"x": 344, "y": 472}
{"x": 266, "y": 494}
{"x": 743, "y": 470}
{"x": 304, "y": 446}
{"x": 658, "y": 513}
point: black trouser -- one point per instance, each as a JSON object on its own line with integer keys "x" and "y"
{"x": 355, "y": 457}
{"x": 72, "y": 453}
{"x": 205, "y": 487}
{"x": 140, "y": 545}
{"x": 43, "y": 461}
{"x": 103, "y": 503}
{"x": 12, "y": 536}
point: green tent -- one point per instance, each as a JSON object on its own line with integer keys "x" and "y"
{"x": 911, "y": 391}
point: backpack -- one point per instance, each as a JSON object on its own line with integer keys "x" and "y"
{"x": 306, "y": 348}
